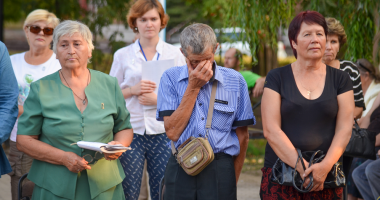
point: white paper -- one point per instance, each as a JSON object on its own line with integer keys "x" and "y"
{"x": 152, "y": 71}
{"x": 95, "y": 146}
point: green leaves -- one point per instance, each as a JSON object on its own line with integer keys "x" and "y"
{"x": 261, "y": 20}
{"x": 358, "y": 19}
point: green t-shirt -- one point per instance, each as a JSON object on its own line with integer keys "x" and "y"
{"x": 250, "y": 78}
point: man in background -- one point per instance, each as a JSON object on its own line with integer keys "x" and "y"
{"x": 254, "y": 81}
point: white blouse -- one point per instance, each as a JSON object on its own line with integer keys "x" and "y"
{"x": 26, "y": 74}
{"x": 127, "y": 68}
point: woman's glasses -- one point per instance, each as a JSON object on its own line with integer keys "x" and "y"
{"x": 37, "y": 29}
{"x": 93, "y": 159}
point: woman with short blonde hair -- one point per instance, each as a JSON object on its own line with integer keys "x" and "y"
{"x": 30, "y": 66}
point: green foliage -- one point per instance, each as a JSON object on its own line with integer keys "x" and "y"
{"x": 185, "y": 12}
{"x": 358, "y": 19}
{"x": 212, "y": 10}
{"x": 102, "y": 13}
{"x": 256, "y": 147}
{"x": 16, "y": 10}
{"x": 97, "y": 15}
{"x": 260, "y": 19}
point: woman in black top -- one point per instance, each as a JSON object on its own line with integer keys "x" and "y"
{"x": 300, "y": 109}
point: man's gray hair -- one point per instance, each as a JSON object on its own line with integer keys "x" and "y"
{"x": 197, "y": 38}
{"x": 69, "y": 27}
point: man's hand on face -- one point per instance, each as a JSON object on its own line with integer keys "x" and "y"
{"x": 199, "y": 76}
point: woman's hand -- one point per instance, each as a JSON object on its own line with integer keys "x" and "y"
{"x": 148, "y": 99}
{"x": 113, "y": 156}
{"x": 75, "y": 163}
{"x": 144, "y": 86}
{"x": 320, "y": 171}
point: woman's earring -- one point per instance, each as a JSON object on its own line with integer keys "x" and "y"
{"x": 136, "y": 28}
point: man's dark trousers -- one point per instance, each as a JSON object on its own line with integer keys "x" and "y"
{"x": 216, "y": 182}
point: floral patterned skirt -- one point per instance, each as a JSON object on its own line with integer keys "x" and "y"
{"x": 274, "y": 191}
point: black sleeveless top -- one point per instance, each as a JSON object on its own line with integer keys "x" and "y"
{"x": 309, "y": 124}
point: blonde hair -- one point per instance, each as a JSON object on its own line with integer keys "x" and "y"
{"x": 41, "y": 15}
{"x": 336, "y": 28}
{"x": 69, "y": 27}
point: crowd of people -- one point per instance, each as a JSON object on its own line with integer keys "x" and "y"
{"x": 50, "y": 100}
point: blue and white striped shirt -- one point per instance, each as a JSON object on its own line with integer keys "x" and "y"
{"x": 232, "y": 107}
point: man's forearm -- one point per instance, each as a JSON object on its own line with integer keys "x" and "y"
{"x": 242, "y": 134}
{"x": 177, "y": 122}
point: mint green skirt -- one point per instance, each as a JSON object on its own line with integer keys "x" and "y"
{"x": 82, "y": 191}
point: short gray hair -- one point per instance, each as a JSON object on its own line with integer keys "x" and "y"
{"x": 197, "y": 38}
{"x": 69, "y": 27}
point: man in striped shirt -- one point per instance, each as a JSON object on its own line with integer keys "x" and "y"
{"x": 182, "y": 103}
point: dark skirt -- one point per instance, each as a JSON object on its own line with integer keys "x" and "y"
{"x": 274, "y": 191}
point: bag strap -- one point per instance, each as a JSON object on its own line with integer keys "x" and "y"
{"x": 211, "y": 106}
{"x": 357, "y": 127}
{"x": 308, "y": 187}
{"x": 209, "y": 115}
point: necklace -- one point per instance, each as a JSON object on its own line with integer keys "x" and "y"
{"x": 308, "y": 90}
{"x": 88, "y": 79}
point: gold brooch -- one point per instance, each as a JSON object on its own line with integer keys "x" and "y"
{"x": 102, "y": 105}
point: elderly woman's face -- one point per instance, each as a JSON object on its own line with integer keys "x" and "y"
{"x": 332, "y": 47}
{"x": 72, "y": 52}
{"x": 40, "y": 39}
{"x": 149, "y": 24}
{"x": 311, "y": 41}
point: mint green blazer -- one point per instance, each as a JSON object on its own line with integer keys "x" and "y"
{"x": 50, "y": 112}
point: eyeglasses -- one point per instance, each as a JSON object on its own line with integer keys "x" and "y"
{"x": 93, "y": 159}
{"x": 37, "y": 29}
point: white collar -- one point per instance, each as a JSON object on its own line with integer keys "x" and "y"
{"x": 159, "y": 47}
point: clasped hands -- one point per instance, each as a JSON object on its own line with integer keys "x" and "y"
{"x": 76, "y": 164}
{"x": 145, "y": 92}
{"x": 320, "y": 172}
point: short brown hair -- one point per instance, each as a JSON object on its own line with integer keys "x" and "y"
{"x": 140, "y": 7}
{"x": 336, "y": 28}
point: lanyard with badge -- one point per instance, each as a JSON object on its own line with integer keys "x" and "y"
{"x": 158, "y": 54}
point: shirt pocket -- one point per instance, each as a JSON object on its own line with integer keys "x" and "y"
{"x": 222, "y": 117}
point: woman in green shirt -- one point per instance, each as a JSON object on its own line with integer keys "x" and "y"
{"x": 71, "y": 105}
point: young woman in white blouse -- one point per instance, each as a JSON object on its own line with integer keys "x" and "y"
{"x": 147, "y": 18}
{"x": 28, "y": 67}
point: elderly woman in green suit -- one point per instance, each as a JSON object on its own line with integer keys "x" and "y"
{"x": 71, "y": 105}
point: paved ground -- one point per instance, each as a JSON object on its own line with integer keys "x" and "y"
{"x": 248, "y": 187}
{"x": 5, "y": 187}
